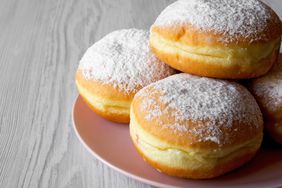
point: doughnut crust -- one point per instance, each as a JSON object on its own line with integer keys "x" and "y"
{"x": 193, "y": 127}
{"x": 114, "y": 69}
{"x": 104, "y": 99}
{"x": 268, "y": 92}
{"x": 243, "y": 42}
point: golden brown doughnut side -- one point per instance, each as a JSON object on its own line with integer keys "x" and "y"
{"x": 119, "y": 118}
{"x": 210, "y": 164}
{"x": 109, "y": 99}
{"x": 102, "y": 90}
{"x": 184, "y": 63}
{"x": 220, "y": 169}
{"x": 267, "y": 92}
{"x": 272, "y": 114}
{"x": 272, "y": 117}
{"x": 187, "y": 139}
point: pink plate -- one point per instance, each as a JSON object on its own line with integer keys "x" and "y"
{"x": 110, "y": 143}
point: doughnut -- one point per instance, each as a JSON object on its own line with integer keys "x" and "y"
{"x": 268, "y": 92}
{"x": 114, "y": 69}
{"x": 195, "y": 127}
{"x": 228, "y": 39}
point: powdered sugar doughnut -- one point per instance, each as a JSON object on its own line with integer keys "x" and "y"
{"x": 268, "y": 92}
{"x": 217, "y": 38}
{"x": 114, "y": 69}
{"x": 195, "y": 127}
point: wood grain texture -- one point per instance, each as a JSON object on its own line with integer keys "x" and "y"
{"x": 41, "y": 43}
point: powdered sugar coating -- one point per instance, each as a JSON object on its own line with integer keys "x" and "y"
{"x": 269, "y": 88}
{"x": 232, "y": 18}
{"x": 123, "y": 59}
{"x": 215, "y": 103}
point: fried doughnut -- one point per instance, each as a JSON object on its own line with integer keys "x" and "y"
{"x": 195, "y": 127}
{"x": 114, "y": 69}
{"x": 230, "y": 39}
{"x": 268, "y": 93}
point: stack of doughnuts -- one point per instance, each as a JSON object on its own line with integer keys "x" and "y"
{"x": 197, "y": 124}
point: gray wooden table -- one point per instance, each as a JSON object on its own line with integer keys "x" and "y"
{"x": 41, "y": 42}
